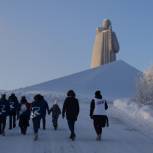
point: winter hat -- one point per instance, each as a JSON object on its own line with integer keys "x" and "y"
{"x": 37, "y": 97}
{"x": 12, "y": 94}
{"x": 23, "y": 100}
{"x": 98, "y": 94}
{"x": 71, "y": 93}
{"x": 3, "y": 96}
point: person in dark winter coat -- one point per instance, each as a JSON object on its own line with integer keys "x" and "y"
{"x": 14, "y": 104}
{"x": 56, "y": 111}
{"x": 4, "y": 112}
{"x": 71, "y": 108}
{"x": 36, "y": 113}
{"x": 98, "y": 109}
{"x": 24, "y": 115}
{"x": 45, "y": 108}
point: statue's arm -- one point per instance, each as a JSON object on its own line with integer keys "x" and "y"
{"x": 116, "y": 46}
{"x": 99, "y": 29}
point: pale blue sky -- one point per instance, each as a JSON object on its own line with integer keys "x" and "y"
{"x": 44, "y": 39}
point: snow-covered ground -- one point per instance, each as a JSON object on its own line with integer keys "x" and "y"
{"x": 130, "y": 129}
{"x": 122, "y": 136}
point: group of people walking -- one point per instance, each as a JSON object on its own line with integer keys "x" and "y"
{"x": 37, "y": 110}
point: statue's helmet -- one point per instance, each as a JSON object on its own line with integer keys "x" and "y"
{"x": 106, "y": 23}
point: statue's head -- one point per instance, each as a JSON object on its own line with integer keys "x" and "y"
{"x": 106, "y": 23}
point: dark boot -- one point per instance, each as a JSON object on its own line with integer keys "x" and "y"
{"x": 55, "y": 125}
{"x": 72, "y": 136}
{"x": 35, "y": 136}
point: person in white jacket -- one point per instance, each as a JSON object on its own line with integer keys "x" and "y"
{"x": 98, "y": 109}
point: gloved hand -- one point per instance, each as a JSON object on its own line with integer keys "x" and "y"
{"x": 91, "y": 116}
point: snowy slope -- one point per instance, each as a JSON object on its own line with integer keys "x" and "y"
{"x": 120, "y": 137}
{"x": 115, "y": 80}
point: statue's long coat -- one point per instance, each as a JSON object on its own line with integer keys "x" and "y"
{"x": 105, "y": 47}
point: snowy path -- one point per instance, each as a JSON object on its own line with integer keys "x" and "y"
{"x": 118, "y": 138}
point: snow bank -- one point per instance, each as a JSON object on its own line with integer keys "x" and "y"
{"x": 145, "y": 87}
{"x": 133, "y": 110}
{"x": 133, "y": 113}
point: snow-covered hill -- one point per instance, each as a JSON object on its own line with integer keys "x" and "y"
{"x": 115, "y": 80}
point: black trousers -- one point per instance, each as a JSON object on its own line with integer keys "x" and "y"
{"x": 36, "y": 124}
{"x": 71, "y": 124}
{"x": 12, "y": 120}
{"x": 99, "y": 122}
{"x": 43, "y": 121}
{"x": 55, "y": 121}
{"x": 23, "y": 123}
{"x": 98, "y": 128}
{"x": 2, "y": 124}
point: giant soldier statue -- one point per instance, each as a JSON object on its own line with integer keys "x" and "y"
{"x": 106, "y": 45}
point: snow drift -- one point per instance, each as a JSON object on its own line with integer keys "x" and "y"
{"x": 145, "y": 87}
{"x": 115, "y": 80}
{"x": 131, "y": 112}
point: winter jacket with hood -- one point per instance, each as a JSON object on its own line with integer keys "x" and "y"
{"x": 71, "y": 108}
{"x": 55, "y": 110}
{"x": 14, "y": 104}
{"x": 4, "y": 107}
